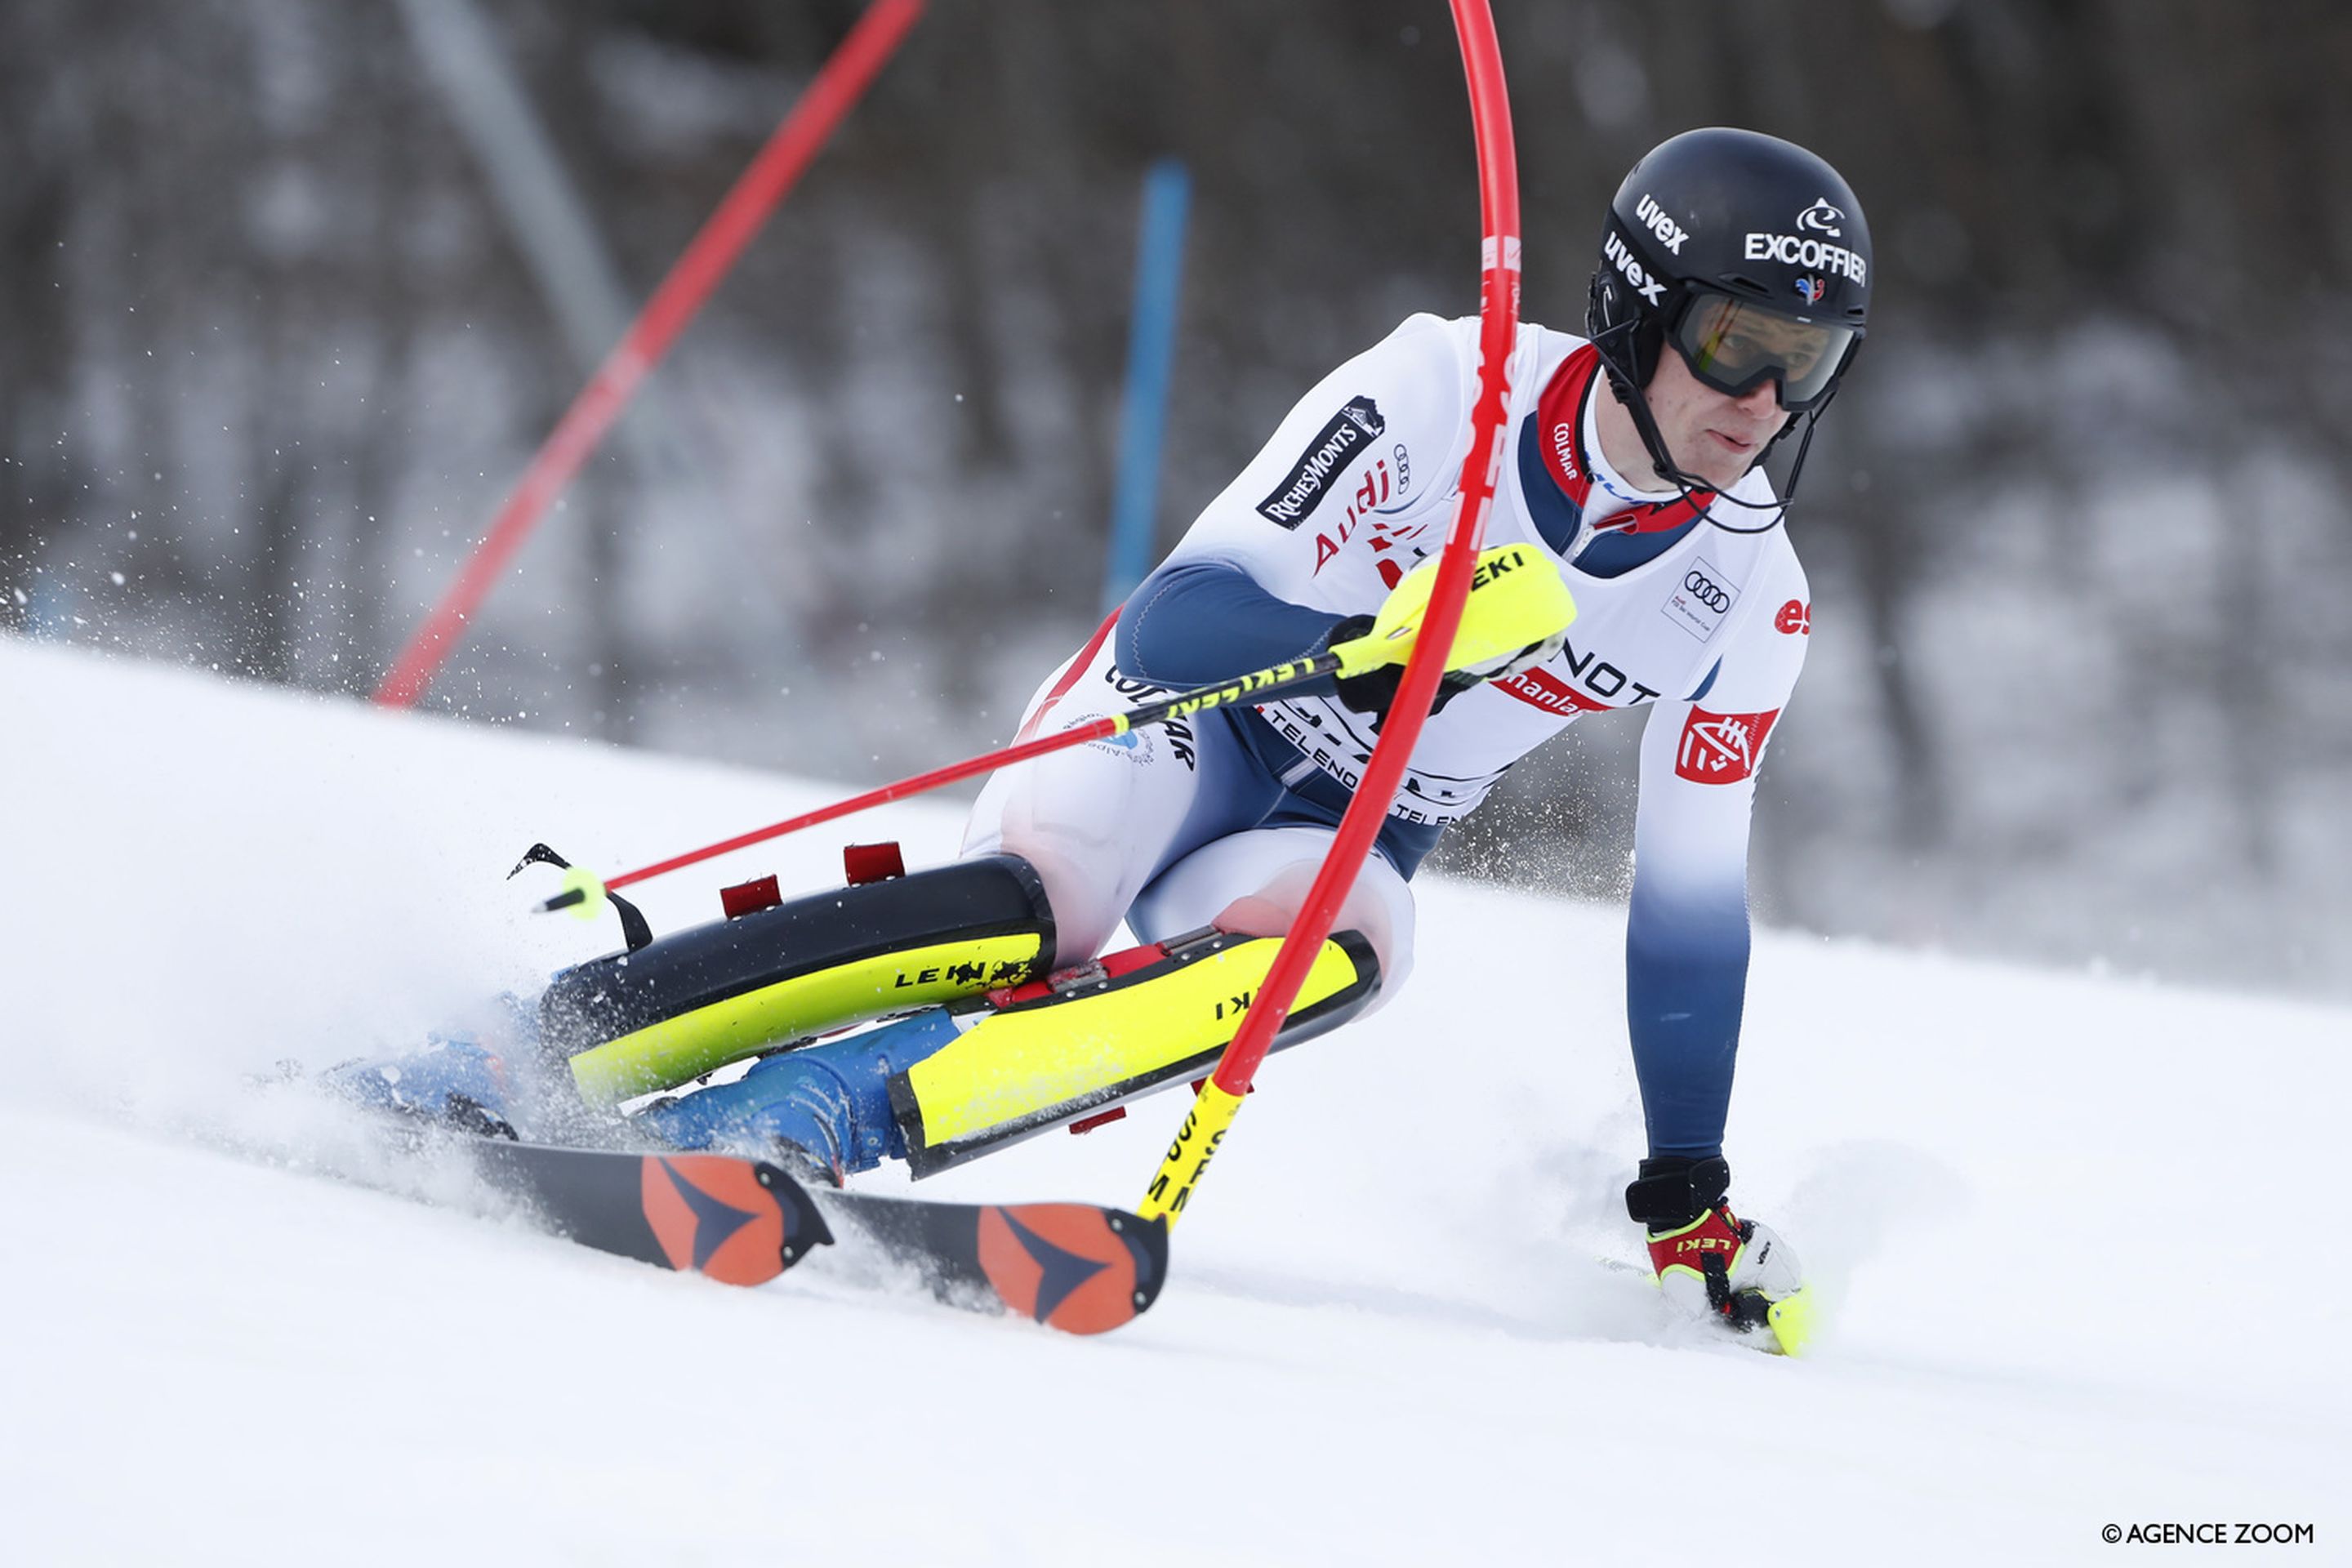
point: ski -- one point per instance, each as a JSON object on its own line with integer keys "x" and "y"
{"x": 1078, "y": 1267}
{"x": 741, "y": 1222}
{"x": 1083, "y": 1268}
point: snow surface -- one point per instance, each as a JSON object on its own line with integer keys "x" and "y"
{"x": 2056, "y": 1217}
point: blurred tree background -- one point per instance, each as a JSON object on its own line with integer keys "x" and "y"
{"x": 274, "y": 344}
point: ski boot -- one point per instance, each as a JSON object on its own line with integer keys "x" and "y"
{"x": 1713, "y": 1265}
{"x": 823, "y": 1109}
{"x": 451, "y": 1082}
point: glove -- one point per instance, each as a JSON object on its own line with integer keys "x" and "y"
{"x": 1516, "y": 615}
{"x": 1374, "y": 692}
{"x": 1713, "y": 1265}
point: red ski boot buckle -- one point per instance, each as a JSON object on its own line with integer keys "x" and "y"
{"x": 864, "y": 863}
{"x": 750, "y": 897}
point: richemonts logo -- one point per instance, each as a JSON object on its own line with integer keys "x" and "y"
{"x": 1349, "y": 432}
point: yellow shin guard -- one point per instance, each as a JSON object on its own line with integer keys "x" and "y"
{"x": 1097, "y": 1039}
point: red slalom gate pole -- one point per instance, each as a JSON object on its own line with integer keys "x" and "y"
{"x": 706, "y": 261}
{"x": 1219, "y": 1100}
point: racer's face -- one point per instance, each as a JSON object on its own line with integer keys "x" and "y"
{"x": 1708, "y": 433}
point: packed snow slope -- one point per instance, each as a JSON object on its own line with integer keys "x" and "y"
{"x": 2057, "y": 1218}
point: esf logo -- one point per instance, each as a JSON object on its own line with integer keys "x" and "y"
{"x": 1651, "y": 289}
{"x": 1670, "y": 234}
{"x": 1721, "y": 748}
{"x": 1822, "y": 218}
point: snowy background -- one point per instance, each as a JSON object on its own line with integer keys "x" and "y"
{"x": 277, "y": 334}
{"x": 2047, "y": 1211}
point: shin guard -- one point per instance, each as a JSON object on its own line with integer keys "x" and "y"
{"x": 634, "y": 1022}
{"x": 1094, "y": 1036}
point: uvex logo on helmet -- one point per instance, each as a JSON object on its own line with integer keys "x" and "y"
{"x": 1653, "y": 289}
{"x": 1670, "y": 234}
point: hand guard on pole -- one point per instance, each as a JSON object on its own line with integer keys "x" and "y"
{"x": 1516, "y": 615}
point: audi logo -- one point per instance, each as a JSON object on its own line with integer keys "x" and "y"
{"x": 1702, "y": 587}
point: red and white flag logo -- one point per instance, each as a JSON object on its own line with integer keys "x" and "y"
{"x": 1721, "y": 748}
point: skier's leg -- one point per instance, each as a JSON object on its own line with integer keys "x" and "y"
{"x": 1083, "y": 830}
{"x": 1098, "y": 821}
{"x": 1055, "y": 850}
{"x": 936, "y": 1095}
{"x": 1094, "y": 824}
{"x": 1255, "y": 882}
{"x": 634, "y": 1022}
{"x": 936, "y": 1089}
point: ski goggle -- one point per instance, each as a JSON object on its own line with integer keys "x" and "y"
{"x": 1735, "y": 344}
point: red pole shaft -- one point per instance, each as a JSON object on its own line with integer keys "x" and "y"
{"x": 1094, "y": 730}
{"x": 1248, "y": 688}
{"x": 1498, "y": 311}
{"x": 708, "y": 259}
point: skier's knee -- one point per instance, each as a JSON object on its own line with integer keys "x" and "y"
{"x": 1384, "y": 922}
{"x": 1084, "y": 912}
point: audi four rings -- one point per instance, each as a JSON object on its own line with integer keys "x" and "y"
{"x": 1704, "y": 588}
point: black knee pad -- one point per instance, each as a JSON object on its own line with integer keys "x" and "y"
{"x": 632, "y": 1022}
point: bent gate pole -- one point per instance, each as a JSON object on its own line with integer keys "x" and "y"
{"x": 1498, "y": 313}
{"x": 707, "y": 260}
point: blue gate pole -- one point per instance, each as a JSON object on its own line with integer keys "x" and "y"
{"x": 1150, "y": 354}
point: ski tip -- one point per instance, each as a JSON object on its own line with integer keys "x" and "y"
{"x": 741, "y": 1222}
{"x": 1791, "y": 1321}
{"x": 1077, "y": 1267}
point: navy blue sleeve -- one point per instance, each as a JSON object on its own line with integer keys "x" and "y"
{"x": 1686, "y": 986}
{"x": 1196, "y": 623}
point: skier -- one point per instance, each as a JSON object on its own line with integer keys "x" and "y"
{"x": 1730, "y": 295}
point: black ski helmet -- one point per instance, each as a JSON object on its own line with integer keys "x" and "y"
{"x": 1717, "y": 226}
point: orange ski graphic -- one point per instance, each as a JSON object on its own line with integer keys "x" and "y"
{"x": 1068, "y": 1265}
{"x": 717, "y": 1216}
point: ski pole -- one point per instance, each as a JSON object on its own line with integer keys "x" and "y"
{"x": 1522, "y": 606}
{"x": 1212, "y": 1115}
{"x": 1345, "y": 660}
